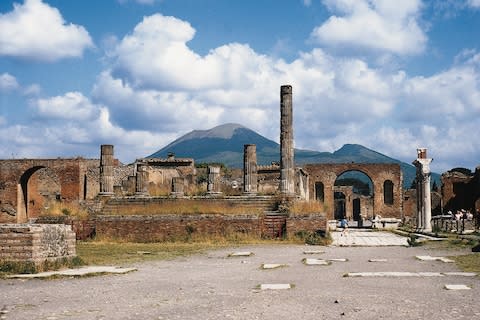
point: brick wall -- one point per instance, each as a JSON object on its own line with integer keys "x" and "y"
{"x": 36, "y": 242}
{"x": 309, "y": 222}
{"x": 142, "y": 228}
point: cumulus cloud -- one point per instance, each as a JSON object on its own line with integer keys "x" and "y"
{"x": 34, "y": 30}
{"x": 72, "y": 105}
{"x": 8, "y": 83}
{"x": 378, "y": 25}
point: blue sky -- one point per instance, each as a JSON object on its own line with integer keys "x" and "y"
{"x": 390, "y": 75}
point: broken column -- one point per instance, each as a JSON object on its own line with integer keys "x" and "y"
{"x": 141, "y": 182}
{"x": 287, "y": 166}
{"x": 178, "y": 184}
{"x": 424, "y": 206}
{"x": 106, "y": 170}
{"x": 250, "y": 180}
{"x": 213, "y": 186}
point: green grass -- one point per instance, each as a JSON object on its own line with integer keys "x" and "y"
{"x": 468, "y": 262}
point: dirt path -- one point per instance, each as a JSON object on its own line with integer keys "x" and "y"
{"x": 213, "y": 286}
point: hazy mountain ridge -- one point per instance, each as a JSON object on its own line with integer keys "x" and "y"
{"x": 225, "y": 144}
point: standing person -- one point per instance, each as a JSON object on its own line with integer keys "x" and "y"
{"x": 344, "y": 225}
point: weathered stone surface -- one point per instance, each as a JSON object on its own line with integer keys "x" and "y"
{"x": 316, "y": 262}
{"x": 241, "y": 254}
{"x": 267, "y": 266}
{"x": 75, "y": 272}
{"x": 250, "y": 178}
{"x": 287, "y": 164}
{"x": 457, "y": 287}
{"x": 275, "y": 286}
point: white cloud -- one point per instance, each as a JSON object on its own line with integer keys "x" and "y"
{"x": 8, "y": 83}
{"x": 379, "y": 25}
{"x": 71, "y": 106}
{"x": 474, "y": 3}
{"x": 34, "y": 30}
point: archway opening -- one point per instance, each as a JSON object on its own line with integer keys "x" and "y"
{"x": 39, "y": 187}
{"x": 353, "y": 196}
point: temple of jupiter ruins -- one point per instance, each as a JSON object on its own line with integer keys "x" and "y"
{"x": 287, "y": 165}
{"x": 424, "y": 210}
{"x": 250, "y": 179}
{"x": 213, "y": 187}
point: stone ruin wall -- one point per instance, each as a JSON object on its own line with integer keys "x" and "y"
{"x": 36, "y": 243}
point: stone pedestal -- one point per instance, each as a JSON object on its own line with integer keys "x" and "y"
{"x": 250, "y": 180}
{"x": 287, "y": 166}
{"x": 213, "y": 186}
{"x": 178, "y": 185}
{"x": 141, "y": 181}
{"x": 106, "y": 170}
{"x": 424, "y": 206}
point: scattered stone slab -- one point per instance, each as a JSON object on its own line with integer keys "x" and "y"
{"x": 377, "y": 260}
{"x": 313, "y": 252}
{"x": 241, "y": 254}
{"x": 461, "y": 274}
{"x": 430, "y": 258}
{"x": 275, "y": 286}
{"x": 457, "y": 287}
{"x": 316, "y": 262}
{"x": 75, "y": 272}
{"x": 337, "y": 260}
{"x": 409, "y": 274}
{"x": 267, "y": 266}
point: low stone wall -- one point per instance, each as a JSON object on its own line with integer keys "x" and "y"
{"x": 309, "y": 222}
{"x": 36, "y": 243}
{"x": 84, "y": 229}
{"x": 144, "y": 228}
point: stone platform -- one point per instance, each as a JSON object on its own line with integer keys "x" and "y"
{"x": 365, "y": 238}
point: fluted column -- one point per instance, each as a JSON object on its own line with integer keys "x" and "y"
{"x": 287, "y": 166}
{"x": 250, "y": 180}
{"x": 178, "y": 184}
{"x": 424, "y": 202}
{"x": 106, "y": 170}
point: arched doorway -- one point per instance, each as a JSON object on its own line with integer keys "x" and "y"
{"x": 38, "y": 187}
{"x": 353, "y": 196}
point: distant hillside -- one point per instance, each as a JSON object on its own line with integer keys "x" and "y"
{"x": 225, "y": 144}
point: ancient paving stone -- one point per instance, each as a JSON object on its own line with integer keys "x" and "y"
{"x": 313, "y": 252}
{"x": 275, "y": 286}
{"x": 337, "y": 260}
{"x": 272, "y": 265}
{"x": 409, "y": 274}
{"x": 457, "y": 287}
{"x": 241, "y": 254}
{"x": 429, "y": 258}
{"x": 377, "y": 260}
{"x": 318, "y": 262}
{"x": 76, "y": 272}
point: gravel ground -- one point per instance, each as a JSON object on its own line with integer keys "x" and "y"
{"x": 213, "y": 286}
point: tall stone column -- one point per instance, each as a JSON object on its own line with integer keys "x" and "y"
{"x": 106, "y": 170}
{"x": 287, "y": 166}
{"x": 250, "y": 180}
{"x": 424, "y": 202}
{"x": 141, "y": 182}
{"x": 213, "y": 186}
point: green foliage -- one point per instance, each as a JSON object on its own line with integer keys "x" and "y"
{"x": 313, "y": 238}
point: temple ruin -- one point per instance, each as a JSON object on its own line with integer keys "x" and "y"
{"x": 28, "y": 186}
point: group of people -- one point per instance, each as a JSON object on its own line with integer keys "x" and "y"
{"x": 461, "y": 214}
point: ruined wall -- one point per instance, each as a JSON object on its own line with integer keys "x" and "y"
{"x": 378, "y": 173}
{"x": 175, "y": 227}
{"x": 36, "y": 243}
{"x": 308, "y": 222}
{"x": 27, "y": 185}
{"x": 461, "y": 190}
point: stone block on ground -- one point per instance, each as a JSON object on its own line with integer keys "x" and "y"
{"x": 457, "y": 287}
{"x": 241, "y": 254}
{"x": 275, "y": 286}
{"x": 267, "y": 266}
{"x": 316, "y": 262}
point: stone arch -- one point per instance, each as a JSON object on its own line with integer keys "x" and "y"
{"x": 327, "y": 173}
{"x": 37, "y": 186}
{"x": 354, "y": 184}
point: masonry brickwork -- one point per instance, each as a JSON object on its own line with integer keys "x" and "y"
{"x": 378, "y": 173}
{"x": 36, "y": 243}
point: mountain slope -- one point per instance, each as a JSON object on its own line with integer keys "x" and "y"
{"x": 225, "y": 144}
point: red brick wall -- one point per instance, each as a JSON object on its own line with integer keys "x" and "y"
{"x": 311, "y": 222}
